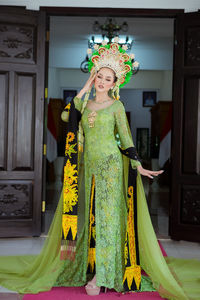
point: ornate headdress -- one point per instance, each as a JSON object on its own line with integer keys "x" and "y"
{"x": 113, "y": 56}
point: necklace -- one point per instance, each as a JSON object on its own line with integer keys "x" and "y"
{"x": 102, "y": 101}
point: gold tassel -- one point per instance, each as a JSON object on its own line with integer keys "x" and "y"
{"x": 91, "y": 258}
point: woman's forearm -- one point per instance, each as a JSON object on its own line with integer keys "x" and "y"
{"x": 81, "y": 93}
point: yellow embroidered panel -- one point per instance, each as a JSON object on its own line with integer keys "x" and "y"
{"x": 70, "y": 191}
{"x": 91, "y": 250}
{"x": 69, "y": 148}
{"x": 133, "y": 271}
{"x": 69, "y": 222}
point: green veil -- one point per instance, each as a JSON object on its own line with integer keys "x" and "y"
{"x": 175, "y": 279}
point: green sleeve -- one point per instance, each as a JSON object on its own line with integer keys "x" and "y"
{"x": 124, "y": 131}
{"x": 78, "y": 103}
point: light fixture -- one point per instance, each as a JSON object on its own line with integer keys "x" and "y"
{"x": 109, "y": 30}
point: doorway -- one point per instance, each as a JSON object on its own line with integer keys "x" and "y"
{"x": 153, "y": 40}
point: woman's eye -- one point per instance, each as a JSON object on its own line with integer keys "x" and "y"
{"x": 108, "y": 80}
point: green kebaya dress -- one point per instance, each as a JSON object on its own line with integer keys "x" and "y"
{"x": 103, "y": 159}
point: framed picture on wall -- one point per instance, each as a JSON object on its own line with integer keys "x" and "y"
{"x": 142, "y": 142}
{"x": 68, "y": 95}
{"x": 149, "y": 98}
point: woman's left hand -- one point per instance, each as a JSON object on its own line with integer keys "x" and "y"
{"x": 149, "y": 173}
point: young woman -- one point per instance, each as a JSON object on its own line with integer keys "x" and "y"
{"x": 104, "y": 165}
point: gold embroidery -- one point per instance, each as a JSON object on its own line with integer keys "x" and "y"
{"x": 126, "y": 249}
{"x": 68, "y": 106}
{"x": 70, "y": 194}
{"x": 91, "y": 251}
{"x": 134, "y": 270}
{"x": 94, "y": 232}
{"x": 91, "y": 118}
{"x": 131, "y": 233}
{"x": 91, "y": 206}
{"x": 69, "y": 149}
{"x": 69, "y": 222}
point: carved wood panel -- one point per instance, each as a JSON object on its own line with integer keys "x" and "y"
{"x": 185, "y": 180}
{"x": 191, "y": 126}
{"x": 24, "y": 121}
{"x": 190, "y": 206}
{"x": 192, "y": 47}
{"x": 15, "y": 199}
{"x": 22, "y": 36}
{"x": 17, "y": 43}
{"x": 3, "y": 119}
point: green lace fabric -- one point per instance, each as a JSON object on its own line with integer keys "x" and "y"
{"x": 103, "y": 159}
{"x": 175, "y": 279}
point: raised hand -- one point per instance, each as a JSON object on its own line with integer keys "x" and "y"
{"x": 88, "y": 85}
{"x": 149, "y": 173}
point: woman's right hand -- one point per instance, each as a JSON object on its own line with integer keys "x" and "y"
{"x": 88, "y": 85}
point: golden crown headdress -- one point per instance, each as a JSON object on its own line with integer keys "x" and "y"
{"x": 113, "y": 56}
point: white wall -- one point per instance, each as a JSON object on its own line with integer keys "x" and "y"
{"x": 74, "y": 79}
{"x": 166, "y": 86}
{"x": 140, "y": 116}
{"x": 131, "y": 94}
{"x": 191, "y": 5}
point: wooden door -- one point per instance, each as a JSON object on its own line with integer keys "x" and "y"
{"x": 185, "y": 191}
{"x": 22, "y": 54}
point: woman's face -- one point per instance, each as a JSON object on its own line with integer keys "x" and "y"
{"x": 104, "y": 80}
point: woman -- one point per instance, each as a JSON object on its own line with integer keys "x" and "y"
{"x": 102, "y": 231}
{"x": 104, "y": 164}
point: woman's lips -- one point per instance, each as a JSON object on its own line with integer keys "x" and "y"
{"x": 101, "y": 86}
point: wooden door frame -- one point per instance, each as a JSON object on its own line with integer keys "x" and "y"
{"x": 114, "y": 12}
{"x": 100, "y": 12}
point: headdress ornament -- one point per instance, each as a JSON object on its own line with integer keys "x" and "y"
{"x": 113, "y": 56}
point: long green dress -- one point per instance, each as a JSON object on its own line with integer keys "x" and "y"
{"x": 103, "y": 159}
